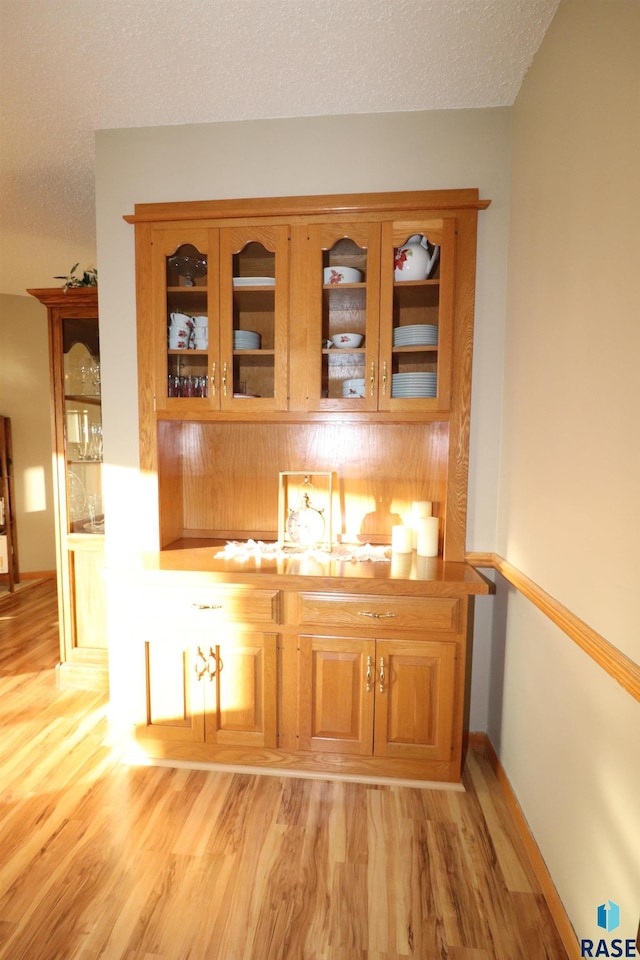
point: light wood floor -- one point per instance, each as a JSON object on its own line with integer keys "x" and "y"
{"x": 103, "y": 860}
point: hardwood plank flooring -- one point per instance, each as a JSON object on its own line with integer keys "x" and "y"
{"x": 99, "y": 859}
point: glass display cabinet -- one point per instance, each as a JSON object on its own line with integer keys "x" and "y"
{"x": 76, "y": 412}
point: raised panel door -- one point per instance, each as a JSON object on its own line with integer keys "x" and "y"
{"x": 220, "y": 687}
{"x": 415, "y": 699}
{"x": 336, "y": 695}
{"x": 241, "y": 689}
{"x": 88, "y": 599}
{"x": 175, "y": 675}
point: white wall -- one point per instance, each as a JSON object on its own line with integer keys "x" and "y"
{"x": 25, "y": 397}
{"x": 567, "y": 735}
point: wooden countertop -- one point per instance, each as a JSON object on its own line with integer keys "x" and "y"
{"x": 408, "y": 574}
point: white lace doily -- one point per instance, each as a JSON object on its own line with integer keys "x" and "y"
{"x": 252, "y": 549}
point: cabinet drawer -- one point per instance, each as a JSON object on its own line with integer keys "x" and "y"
{"x": 441, "y": 614}
{"x": 207, "y": 603}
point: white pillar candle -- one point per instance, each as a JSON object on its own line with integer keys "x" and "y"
{"x": 419, "y": 509}
{"x": 401, "y": 539}
{"x": 427, "y": 545}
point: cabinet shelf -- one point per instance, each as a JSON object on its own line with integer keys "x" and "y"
{"x": 83, "y": 398}
{"x": 189, "y": 291}
{"x": 254, "y": 288}
{"x": 254, "y": 353}
{"x": 342, "y": 351}
{"x": 422, "y": 348}
{"x": 187, "y": 353}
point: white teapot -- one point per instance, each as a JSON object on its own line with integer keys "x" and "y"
{"x": 413, "y": 261}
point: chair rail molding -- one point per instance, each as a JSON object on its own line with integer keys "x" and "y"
{"x": 618, "y": 665}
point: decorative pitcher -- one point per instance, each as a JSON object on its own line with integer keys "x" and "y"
{"x": 413, "y": 260}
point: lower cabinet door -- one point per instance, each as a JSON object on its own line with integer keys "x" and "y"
{"x": 381, "y": 698}
{"x": 240, "y": 690}
{"x": 221, "y": 691}
{"x": 336, "y": 695}
{"x": 415, "y": 699}
{"x": 175, "y": 676}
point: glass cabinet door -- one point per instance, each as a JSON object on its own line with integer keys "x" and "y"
{"x": 187, "y": 354}
{"x": 253, "y": 305}
{"x": 82, "y": 425}
{"x": 417, "y": 296}
{"x": 222, "y": 297}
{"x": 342, "y": 300}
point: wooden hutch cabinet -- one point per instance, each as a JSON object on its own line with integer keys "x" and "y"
{"x": 76, "y": 418}
{"x": 281, "y": 335}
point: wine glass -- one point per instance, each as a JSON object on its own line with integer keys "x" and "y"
{"x": 189, "y": 263}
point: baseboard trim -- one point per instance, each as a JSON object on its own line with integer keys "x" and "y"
{"x": 622, "y": 668}
{"x": 134, "y": 759}
{"x": 481, "y": 743}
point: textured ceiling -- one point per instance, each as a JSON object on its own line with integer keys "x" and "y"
{"x": 70, "y": 67}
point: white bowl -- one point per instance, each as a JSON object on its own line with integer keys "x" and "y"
{"x": 353, "y": 388}
{"x": 342, "y": 275}
{"x": 347, "y": 341}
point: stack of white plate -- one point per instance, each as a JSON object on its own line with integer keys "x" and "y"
{"x": 254, "y": 281}
{"x": 413, "y": 384}
{"x": 353, "y": 388}
{"x": 415, "y": 335}
{"x": 246, "y": 340}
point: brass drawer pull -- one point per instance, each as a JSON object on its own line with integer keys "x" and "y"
{"x": 212, "y": 664}
{"x": 376, "y": 616}
{"x": 369, "y": 673}
{"x": 207, "y": 606}
{"x": 200, "y": 671}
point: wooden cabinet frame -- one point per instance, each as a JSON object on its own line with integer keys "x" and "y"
{"x": 216, "y": 463}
